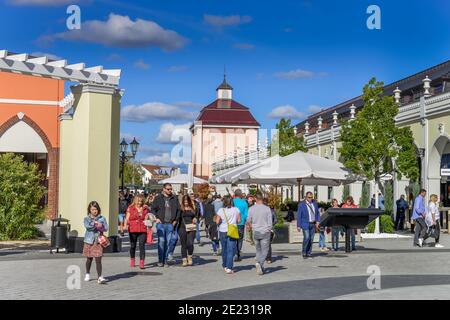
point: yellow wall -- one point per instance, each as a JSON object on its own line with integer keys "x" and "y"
{"x": 89, "y": 167}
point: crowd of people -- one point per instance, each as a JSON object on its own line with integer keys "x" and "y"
{"x": 226, "y": 221}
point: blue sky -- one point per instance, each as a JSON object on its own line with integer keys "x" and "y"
{"x": 297, "y": 55}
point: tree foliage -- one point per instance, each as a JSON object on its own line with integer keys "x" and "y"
{"x": 286, "y": 139}
{"x": 21, "y": 190}
{"x": 365, "y": 196}
{"x": 133, "y": 174}
{"x": 372, "y": 145}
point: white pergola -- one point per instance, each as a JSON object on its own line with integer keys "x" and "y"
{"x": 24, "y": 63}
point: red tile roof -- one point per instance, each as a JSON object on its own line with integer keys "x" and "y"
{"x": 227, "y": 112}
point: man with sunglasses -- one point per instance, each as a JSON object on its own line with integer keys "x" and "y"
{"x": 307, "y": 221}
{"x": 166, "y": 208}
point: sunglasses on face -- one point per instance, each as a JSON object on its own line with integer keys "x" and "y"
{"x": 169, "y": 189}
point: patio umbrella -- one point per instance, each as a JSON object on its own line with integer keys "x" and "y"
{"x": 311, "y": 169}
{"x": 182, "y": 179}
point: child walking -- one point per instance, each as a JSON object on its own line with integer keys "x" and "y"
{"x": 95, "y": 225}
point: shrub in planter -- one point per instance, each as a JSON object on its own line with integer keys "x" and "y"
{"x": 324, "y": 205}
{"x": 386, "y": 225}
{"x": 21, "y": 190}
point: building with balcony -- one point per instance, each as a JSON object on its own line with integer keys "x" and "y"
{"x": 424, "y": 106}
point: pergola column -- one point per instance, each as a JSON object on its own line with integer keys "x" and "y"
{"x": 89, "y": 164}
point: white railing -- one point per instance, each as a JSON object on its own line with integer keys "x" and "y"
{"x": 238, "y": 158}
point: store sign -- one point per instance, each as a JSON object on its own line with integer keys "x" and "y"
{"x": 445, "y": 172}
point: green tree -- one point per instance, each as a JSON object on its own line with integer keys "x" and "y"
{"x": 345, "y": 192}
{"x": 21, "y": 190}
{"x": 286, "y": 139}
{"x": 133, "y": 174}
{"x": 372, "y": 145}
{"x": 365, "y": 196}
{"x": 389, "y": 198}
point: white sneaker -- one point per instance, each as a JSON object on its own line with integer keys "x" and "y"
{"x": 420, "y": 242}
{"x": 259, "y": 269}
{"x": 87, "y": 277}
{"x": 228, "y": 271}
{"x": 437, "y": 245}
{"x": 101, "y": 280}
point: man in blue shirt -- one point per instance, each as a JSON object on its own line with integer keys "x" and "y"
{"x": 419, "y": 213}
{"x": 242, "y": 205}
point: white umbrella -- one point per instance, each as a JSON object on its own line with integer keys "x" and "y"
{"x": 182, "y": 179}
{"x": 311, "y": 169}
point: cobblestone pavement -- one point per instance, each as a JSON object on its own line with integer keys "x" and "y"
{"x": 337, "y": 275}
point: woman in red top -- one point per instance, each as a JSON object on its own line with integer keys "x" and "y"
{"x": 137, "y": 212}
{"x": 350, "y": 203}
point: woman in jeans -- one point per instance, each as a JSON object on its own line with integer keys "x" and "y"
{"x": 137, "y": 213}
{"x": 335, "y": 231}
{"x": 187, "y": 229}
{"x": 95, "y": 225}
{"x": 225, "y": 216}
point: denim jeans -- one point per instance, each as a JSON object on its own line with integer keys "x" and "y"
{"x": 228, "y": 250}
{"x": 165, "y": 231}
{"x": 335, "y": 238}
{"x": 322, "y": 239}
{"x": 353, "y": 239}
{"x": 173, "y": 241}
{"x": 308, "y": 238}
{"x": 215, "y": 245}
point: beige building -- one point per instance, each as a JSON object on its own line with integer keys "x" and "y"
{"x": 424, "y": 106}
{"x": 223, "y": 128}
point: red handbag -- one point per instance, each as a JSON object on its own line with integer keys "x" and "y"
{"x": 103, "y": 240}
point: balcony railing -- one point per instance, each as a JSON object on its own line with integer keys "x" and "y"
{"x": 238, "y": 158}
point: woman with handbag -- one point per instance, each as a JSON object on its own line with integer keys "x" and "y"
{"x": 94, "y": 240}
{"x": 187, "y": 229}
{"x": 228, "y": 217}
{"x": 137, "y": 229}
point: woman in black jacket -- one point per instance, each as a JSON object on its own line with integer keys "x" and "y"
{"x": 187, "y": 229}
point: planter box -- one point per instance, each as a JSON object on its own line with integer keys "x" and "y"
{"x": 281, "y": 234}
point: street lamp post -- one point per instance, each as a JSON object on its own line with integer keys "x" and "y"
{"x": 124, "y": 156}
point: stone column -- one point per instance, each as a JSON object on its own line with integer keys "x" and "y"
{"x": 89, "y": 156}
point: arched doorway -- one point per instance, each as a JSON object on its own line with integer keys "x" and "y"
{"x": 439, "y": 169}
{"x": 21, "y": 135}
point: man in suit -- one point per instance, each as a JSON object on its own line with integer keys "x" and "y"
{"x": 308, "y": 220}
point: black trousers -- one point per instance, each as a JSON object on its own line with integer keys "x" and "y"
{"x": 98, "y": 265}
{"x": 399, "y": 221}
{"x": 187, "y": 241}
{"x": 240, "y": 241}
{"x": 134, "y": 238}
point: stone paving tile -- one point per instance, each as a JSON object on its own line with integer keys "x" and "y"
{"x": 43, "y": 276}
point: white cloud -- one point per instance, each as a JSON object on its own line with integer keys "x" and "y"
{"x": 314, "y": 109}
{"x": 52, "y": 3}
{"x": 286, "y": 111}
{"x": 294, "y": 74}
{"x": 243, "y": 46}
{"x": 225, "y": 21}
{"x": 189, "y": 104}
{"x": 140, "y": 64}
{"x": 161, "y": 159}
{"x": 151, "y": 111}
{"x": 121, "y": 31}
{"x": 170, "y": 133}
{"x": 177, "y": 68}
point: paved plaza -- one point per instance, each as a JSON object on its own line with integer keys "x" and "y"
{"x": 406, "y": 273}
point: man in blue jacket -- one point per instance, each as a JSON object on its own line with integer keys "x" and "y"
{"x": 418, "y": 216}
{"x": 308, "y": 218}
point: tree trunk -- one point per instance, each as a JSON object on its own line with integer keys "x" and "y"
{"x": 377, "y": 220}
